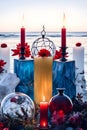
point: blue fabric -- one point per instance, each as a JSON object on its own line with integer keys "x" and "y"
{"x": 63, "y": 76}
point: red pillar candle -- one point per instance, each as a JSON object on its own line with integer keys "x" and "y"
{"x": 63, "y": 37}
{"x": 43, "y": 114}
{"x": 22, "y": 37}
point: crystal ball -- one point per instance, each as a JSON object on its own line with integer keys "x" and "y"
{"x": 43, "y": 43}
{"x": 18, "y": 107}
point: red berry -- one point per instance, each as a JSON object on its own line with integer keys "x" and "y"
{"x": 78, "y": 44}
{"x": 3, "y": 45}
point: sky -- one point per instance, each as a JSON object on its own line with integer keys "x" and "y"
{"x": 43, "y": 12}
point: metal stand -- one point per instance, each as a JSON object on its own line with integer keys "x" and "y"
{"x": 63, "y": 53}
{"x": 22, "y": 53}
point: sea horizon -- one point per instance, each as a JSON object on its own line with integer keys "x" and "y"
{"x": 48, "y": 34}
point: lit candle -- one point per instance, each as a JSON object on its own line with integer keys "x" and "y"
{"x": 22, "y": 37}
{"x": 63, "y": 33}
{"x": 43, "y": 114}
{"x": 22, "y": 33}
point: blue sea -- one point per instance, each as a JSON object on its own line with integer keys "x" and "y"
{"x": 13, "y": 38}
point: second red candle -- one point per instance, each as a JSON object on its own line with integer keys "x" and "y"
{"x": 22, "y": 37}
{"x": 63, "y": 37}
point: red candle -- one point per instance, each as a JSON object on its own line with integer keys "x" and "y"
{"x": 22, "y": 37}
{"x": 43, "y": 114}
{"x": 63, "y": 37}
{"x": 63, "y": 33}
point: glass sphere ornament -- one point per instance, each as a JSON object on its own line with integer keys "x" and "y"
{"x": 60, "y": 102}
{"x": 43, "y": 43}
{"x": 18, "y": 107}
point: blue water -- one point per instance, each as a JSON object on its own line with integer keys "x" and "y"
{"x": 37, "y": 34}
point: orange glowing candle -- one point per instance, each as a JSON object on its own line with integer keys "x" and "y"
{"x": 43, "y": 113}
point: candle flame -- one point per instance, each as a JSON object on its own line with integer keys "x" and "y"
{"x": 44, "y": 124}
{"x": 64, "y": 19}
{"x": 43, "y": 98}
{"x": 23, "y": 20}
